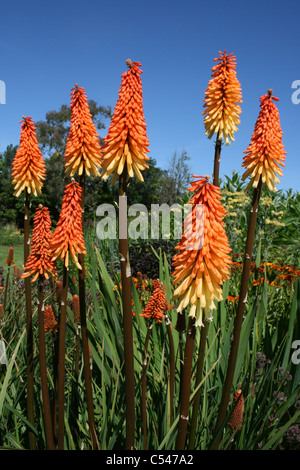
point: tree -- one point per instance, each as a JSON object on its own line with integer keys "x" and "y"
{"x": 176, "y": 179}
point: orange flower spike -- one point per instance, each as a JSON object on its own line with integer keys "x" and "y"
{"x": 50, "y": 321}
{"x": 10, "y": 258}
{"x": 203, "y": 261}
{"x": 28, "y": 166}
{"x": 83, "y": 151}
{"x": 68, "y": 234}
{"x": 266, "y": 151}
{"x": 40, "y": 261}
{"x": 126, "y": 143}
{"x": 222, "y": 100}
{"x": 76, "y": 308}
{"x": 158, "y": 304}
{"x": 236, "y": 419}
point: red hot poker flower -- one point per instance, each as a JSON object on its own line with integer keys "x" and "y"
{"x": 83, "y": 150}
{"x": 266, "y": 151}
{"x": 158, "y": 304}
{"x": 126, "y": 143}
{"x": 10, "y": 258}
{"x": 222, "y": 100}
{"x": 236, "y": 418}
{"x": 28, "y": 166}
{"x": 39, "y": 261}
{"x": 203, "y": 261}
{"x": 50, "y": 321}
{"x": 68, "y": 235}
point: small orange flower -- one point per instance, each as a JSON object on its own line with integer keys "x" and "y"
{"x": 266, "y": 151}
{"x": 28, "y": 166}
{"x": 39, "y": 261}
{"x": 236, "y": 419}
{"x": 50, "y": 320}
{"x": 222, "y": 98}
{"x": 203, "y": 261}
{"x": 83, "y": 150}
{"x": 158, "y": 304}
{"x": 68, "y": 235}
{"x": 126, "y": 143}
{"x": 10, "y": 258}
{"x": 75, "y": 308}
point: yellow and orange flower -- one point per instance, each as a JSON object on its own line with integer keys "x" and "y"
{"x": 236, "y": 418}
{"x": 51, "y": 323}
{"x": 222, "y": 100}
{"x": 68, "y": 234}
{"x": 39, "y": 261}
{"x": 203, "y": 261}
{"x": 83, "y": 151}
{"x": 158, "y": 304}
{"x": 266, "y": 151}
{"x": 28, "y": 166}
{"x": 126, "y": 143}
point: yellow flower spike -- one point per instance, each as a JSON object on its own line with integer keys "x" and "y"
{"x": 83, "y": 151}
{"x": 222, "y": 100}
{"x": 200, "y": 269}
{"x": 126, "y": 143}
{"x": 265, "y": 154}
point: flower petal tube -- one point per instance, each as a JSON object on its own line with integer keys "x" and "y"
{"x": 199, "y": 272}
{"x": 222, "y": 100}
{"x": 83, "y": 151}
{"x": 28, "y": 166}
{"x": 265, "y": 153}
{"x": 126, "y": 143}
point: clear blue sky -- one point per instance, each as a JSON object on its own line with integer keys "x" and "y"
{"x": 48, "y": 46}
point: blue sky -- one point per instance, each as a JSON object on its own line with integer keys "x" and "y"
{"x": 46, "y": 47}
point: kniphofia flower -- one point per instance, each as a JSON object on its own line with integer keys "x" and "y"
{"x": 68, "y": 235}
{"x": 222, "y": 100}
{"x": 265, "y": 154}
{"x": 236, "y": 418}
{"x": 83, "y": 151}
{"x": 76, "y": 308}
{"x": 10, "y": 257}
{"x": 51, "y": 323}
{"x": 126, "y": 143}
{"x": 158, "y": 304}
{"x": 203, "y": 261}
{"x": 28, "y": 166}
{"x": 39, "y": 261}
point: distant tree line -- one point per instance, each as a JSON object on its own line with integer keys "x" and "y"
{"x": 160, "y": 185}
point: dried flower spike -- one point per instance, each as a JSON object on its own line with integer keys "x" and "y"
{"x": 126, "y": 143}
{"x": 266, "y": 151}
{"x": 158, "y": 304}
{"x": 39, "y": 261}
{"x": 236, "y": 418}
{"x": 203, "y": 261}
{"x": 68, "y": 234}
{"x": 83, "y": 152}
{"x": 222, "y": 100}
{"x": 28, "y": 166}
{"x": 10, "y": 258}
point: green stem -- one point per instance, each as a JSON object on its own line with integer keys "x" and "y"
{"x": 43, "y": 368}
{"x": 144, "y": 412}
{"x": 84, "y": 334}
{"x": 127, "y": 313}
{"x": 186, "y": 386}
{"x": 172, "y": 367}
{"x": 239, "y": 317}
{"x": 29, "y": 329}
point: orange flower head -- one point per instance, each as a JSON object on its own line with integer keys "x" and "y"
{"x": 126, "y": 143}
{"x": 222, "y": 100}
{"x": 158, "y": 304}
{"x": 202, "y": 263}
{"x": 236, "y": 418}
{"x": 266, "y": 151}
{"x": 83, "y": 152}
{"x": 68, "y": 234}
{"x": 39, "y": 261}
{"x": 75, "y": 308}
{"x": 50, "y": 321}
{"x": 10, "y": 258}
{"x": 28, "y": 166}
